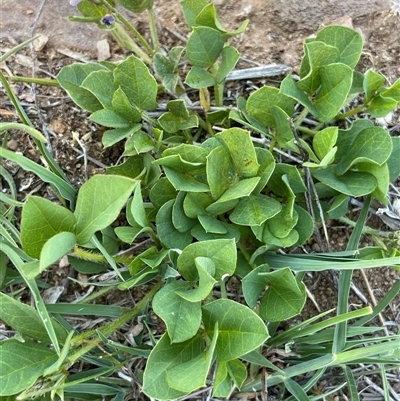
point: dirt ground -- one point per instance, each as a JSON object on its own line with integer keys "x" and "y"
{"x": 275, "y": 34}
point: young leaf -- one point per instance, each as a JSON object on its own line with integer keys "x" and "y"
{"x": 240, "y": 329}
{"x": 381, "y": 106}
{"x": 192, "y": 375}
{"x": 166, "y": 230}
{"x": 267, "y": 165}
{"x": 231, "y": 196}
{"x": 99, "y": 202}
{"x": 253, "y": 285}
{"x": 206, "y": 269}
{"x": 139, "y": 142}
{"x": 71, "y": 77}
{"x": 191, "y": 9}
{"x": 218, "y": 171}
{"x": 21, "y": 364}
{"x": 101, "y": 85}
{"x": 161, "y": 192}
{"x": 371, "y": 83}
{"x": 137, "y": 208}
{"x": 134, "y": 78}
{"x": 241, "y": 149}
{"x": 211, "y": 224}
{"x": 348, "y": 41}
{"x": 351, "y": 183}
{"x": 121, "y": 105}
{"x": 222, "y": 252}
{"x": 204, "y": 46}
{"x": 41, "y": 220}
{"x": 324, "y": 141}
{"x": 177, "y": 118}
{"x": 230, "y": 56}
{"x": 372, "y": 145}
{"x": 180, "y": 220}
{"x": 163, "y": 357}
{"x": 136, "y": 6}
{"x": 261, "y": 101}
{"x": 198, "y": 78}
{"x": 237, "y": 371}
{"x": 254, "y": 210}
{"x": 284, "y": 298}
{"x": 109, "y": 118}
{"x": 336, "y": 80}
{"x": 53, "y": 250}
{"x": 182, "y": 317}
{"x": 222, "y": 383}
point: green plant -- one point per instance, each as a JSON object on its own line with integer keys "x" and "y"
{"x": 215, "y": 203}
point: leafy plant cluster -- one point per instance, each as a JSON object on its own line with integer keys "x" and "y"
{"x": 211, "y": 192}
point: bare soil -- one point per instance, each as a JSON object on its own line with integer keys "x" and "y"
{"x": 275, "y": 35}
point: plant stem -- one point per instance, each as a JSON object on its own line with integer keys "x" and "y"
{"x": 153, "y": 29}
{"x": 39, "y": 81}
{"x": 351, "y": 112}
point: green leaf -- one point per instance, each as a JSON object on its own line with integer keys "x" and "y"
{"x": 53, "y": 250}
{"x": 211, "y": 224}
{"x": 231, "y": 232}
{"x": 371, "y": 83}
{"x": 218, "y": 169}
{"x": 192, "y": 375}
{"x": 222, "y": 252}
{"x": 267, "y": 166}
{"x": 166, "y": 230}
{"x": 109, "y": 118}
{"x": 137, "y": 208}
{"x": 283, "y": 222}
{"x": 241, "y": 149}
{"x": 229, "y": 199}
{"x": 134, "y": 78}
{"x": 293, "y": 177}
{"x": 254, "y": 210}
{"x": 304, "y": 226}
{"x": 336, "y": 80}
{"x": 372, "y": 145}
{"x": 167, "y": 67}
{"x": 99, "y": 202}
{"x": 185, "y": 182}
{"x": 198, "y": 78}
{"x": 350, "y": 183}
{"x": 222, "y": 383}
{"x": 180, "y": 220}
{"x": 237, "y": 371}
{"x": 111, "y": 137}
{"x": 123, "y": 107}
{"x": 393, "y": 161}
{"x": 181, "y": 316}
{"x": 164, "y": 357}
{"x": 204, "y": 46}
{"x": 70, "y": 79}
{"x": 21, "y": 364}
{"x": 324, "y": 141}
{"x": 381, "y": 106}
{"x": 161, "y": 192}
{"x": 191, "y": 9}
{"x": 317, "y": 55}
{"x": 348, "y": 41}
{"x": 240, "y": 329}
{"x": 381, "y": 174}
{"x": 284, "y": 298}
{"x": 101, "y": 85}
{"x": 230, "y": 56}
{"x": 26, "y": 320}
{"x": 283, "y": 132}
{"x": 41, "y": 220}
{"x": 89, "y": 9}
{"x": 206, "y": 270}
{"x": 393, "y": 91}
{"x": 178, "y": 117}
{"x": 139, "y": 142}
{"x": 289, "y": 88}
{"x": 253, "y": 285}
{"x": 260, "y": 103}
{"x": 195, "y": 204}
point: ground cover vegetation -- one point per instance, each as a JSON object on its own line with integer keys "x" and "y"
{"x": 218, "y": 191}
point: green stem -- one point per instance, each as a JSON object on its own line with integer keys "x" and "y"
{"x": 127, "y": 43}
{"x": 110, "y": 328}
{"x": 351, "y": 112}
{"x": 97, "y": 257}
{"x": 39, "y": 81}
{"x": 153, "y": 29}
{"x": 300, "y": 118}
